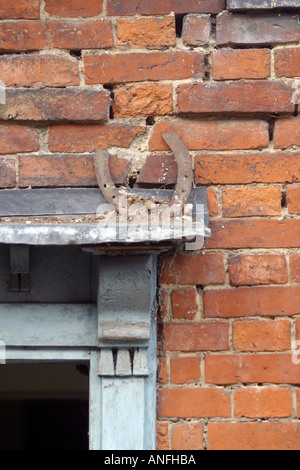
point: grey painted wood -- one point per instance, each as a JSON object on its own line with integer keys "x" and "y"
{"x": 48, "y": 325}
{"x": 80, "y": 201}
{"x": 106, "y": 363}
{"x": 124, "y": 300}
{"x": 123, "y": 368}
{"x": 56, "y": 274}
{"x": 123, "y": 414}
{"x": 20, "y": 355}
{"x": 95, "y": 408}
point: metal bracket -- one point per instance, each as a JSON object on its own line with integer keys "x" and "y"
{"x": 184, "y": 180}
{"x": 19, "y": 268}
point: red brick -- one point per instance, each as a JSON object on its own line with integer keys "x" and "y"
{"x": 93, "y": 34}
{"x": 39, "y": 71}
{"x": 187, "y": 436}
{"x": 262, "y": 335}
{"x": 191, "y": 337}
{"x": 297, "y": 336}
{"x": 212, "y": 200}
{"x": 8, "y": 176}
{"x": 251, "y": 202}
{"x": 262, "y": 30}
{"x": 196, "y": 30}
{"x": 193, "y": 269}
{"x": 150, "y": 33}
{"x": 293, "y": 199}
{"x": 263, "y": 403}
{"x": 163, "y": 372}
{"x": 22, "y": 36}
{"x": 143, "y": 100}
{"x": 213, "y": 135}
{"x": 257, "y": 269}
{"x": 287, "y": 133}
{"x": 254, "y": 436}
{"x": 91, "y": 138}
{"x": 237, "y": 97}
{"x": 298, "y": 403}
{"x": 160, "y": 169}
{"x": 287, "y": 62}
{"x": 162, "y": 436}
{"x": 184, "y": 370}
{"x": 157, "y": 7}
{"x": 252, "y": 368}
{"x": 163, "y": 300}
{"x": 139, "y": 67}
{"x": 67, "y": 170}
{"x": 15, "y": 139}
{"x": 295, "y": 267}
{"x": 74, "y": 8}
{"x": 20, "y": 9}
{"x": 254, "y": 234}
{"x": 252, "y": 301}
{"x": 54, "y": 104}
{"x": 184, "y": 303}
{"x": 234, "y": 64}
{"x": 247, "y": 169}
{"x": 194, "y": 403}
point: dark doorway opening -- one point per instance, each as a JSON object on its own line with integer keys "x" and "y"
{"x": 44, "y": 406}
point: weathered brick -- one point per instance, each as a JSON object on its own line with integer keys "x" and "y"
{"x": 67, "y": 170}
{"x": 212, "y": 200}
{"x": 298, "y": 403}
{"x": 287, "y": 133}
{"x": 162, "y": 436}
{"x": 213, "y": 135}
{"x": 184, "y": 303}
{"x": 263, "y": 30}
{"x": 187, "y": 436}
{"x": 247, "y": 169}
{"x": 39, "y": 71}
{"x": 193, "y": 269}
{"x": 54, "y": 104}
{"x": 89, "y": 34}
{"x": 262, "y": 335}
{"x": 251, "y": 201}
{"x": 20, "y": 9}
{"x": 163, "y": 372}
{"x": 8, "y": 176}
{"x": 261, "y": 96}
{"x": 252, "y": 368}
{"x": 74, "y": 8}
{"x": 254, "y": 436}
{"x": 91, "y": 138}
{"x": 15, "y": 139}
{"x": 254, "y": 234}
{"x": 252, "y": 301}
{"x": 295, "y": 267}
{"x": 143, "y": 100}
{"x": 235, "y": 64}
{"x": 196, "y": 30}
{"x": 184, "y": 370}
{"x": 257, "y": 269}
{"x": 293, "y": 199}
{"x": 194, "y": 403}
{"x": 157, "y": 7}
{"x": 191, "y": 337}
{"x": 22, "y": 36}
{"x": 139, "y": 67}
{"x": 150, "y": 33}
{"x": 160, "y": 169}
{"x": 287, "y": 62}
{"x": 263, "y": 403}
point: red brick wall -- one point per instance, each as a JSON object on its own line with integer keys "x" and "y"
{"x": 89, "y": 74}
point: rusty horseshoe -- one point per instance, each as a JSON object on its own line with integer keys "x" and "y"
{"x": 184, "y": 179}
